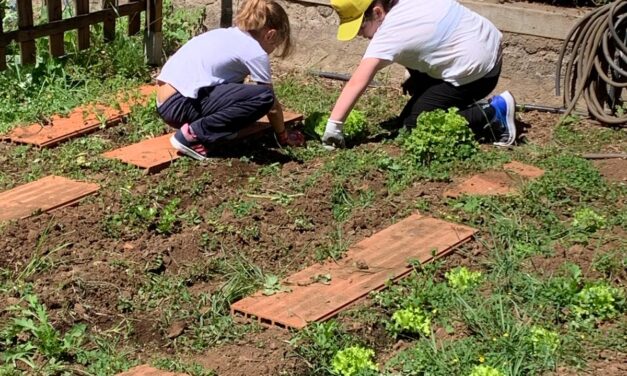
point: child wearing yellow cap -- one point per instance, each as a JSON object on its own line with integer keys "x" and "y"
{"x": 452, "y": 56}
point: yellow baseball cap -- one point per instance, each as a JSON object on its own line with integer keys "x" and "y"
{"x": 351, "y": 14}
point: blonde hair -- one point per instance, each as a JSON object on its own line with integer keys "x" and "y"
{"x": 255, "y": 15}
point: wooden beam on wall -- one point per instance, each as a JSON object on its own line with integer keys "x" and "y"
{"x": 82, "y": 7}
{"x": 28, "y": 51}
{"x": 55, "y": 13}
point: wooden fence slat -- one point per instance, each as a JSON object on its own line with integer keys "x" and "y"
{"x": 82, "y": 7}
{"x": 55, "y": 13}
{"x": 76, "y": 22}
{"x": 109, "y": 22}
{"x": 154, "y": 22}
{"x": 28, "y": 50}
{"x": 134, "y": 22}
{"x": 226, "y": 13}
{"x": 3, "y": 58}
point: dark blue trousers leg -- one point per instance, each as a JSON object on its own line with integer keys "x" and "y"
{"x": 219, "y": 111}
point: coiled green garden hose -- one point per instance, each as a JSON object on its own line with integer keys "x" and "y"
{"x": 597, "y": 66}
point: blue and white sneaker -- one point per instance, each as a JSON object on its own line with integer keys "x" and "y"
{"x": 193, "y": 149}
{"x": 503, "y": 124}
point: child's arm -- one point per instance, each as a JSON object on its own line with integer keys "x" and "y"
{"x": 363, "y": 75}
{"x": 283, "y": 136}
{"x": 355, "y": 87}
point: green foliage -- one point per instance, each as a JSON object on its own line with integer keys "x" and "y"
{"x": 30, "y": 336}
{"x": 411, "y": 320}
{"x": 180, "y": 24}
{"x": 462, "y": 279}
{"x": 598, "y": 302}
{"x": 318, "y": 343}
{"x": 355, "y": 125}
{"x": 354, "y": 360}
{"x": 544, "y": 342}
{"x": 440, "y": 136}
{"x": 272, "y": 285}
{"x": 587, "y": 220}
{"x": 483, "y": 370}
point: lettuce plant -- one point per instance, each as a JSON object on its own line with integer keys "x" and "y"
{"x": 352, "y": 361}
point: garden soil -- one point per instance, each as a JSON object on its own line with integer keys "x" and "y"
{"x": 84, "y": 287}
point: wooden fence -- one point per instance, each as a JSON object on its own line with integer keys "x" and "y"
{"x": 54, "y": 29}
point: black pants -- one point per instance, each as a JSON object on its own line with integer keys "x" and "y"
{"x": 219, "y": 111}
{"x": 430, "y": 93}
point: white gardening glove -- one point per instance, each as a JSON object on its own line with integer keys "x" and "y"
{"x": 333, "y": 137}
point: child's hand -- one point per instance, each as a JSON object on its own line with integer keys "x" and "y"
{"x": 291, "y": 138}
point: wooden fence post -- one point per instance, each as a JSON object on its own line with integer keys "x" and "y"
{"x": 154, "y": 36}
{"x": 134, "y": 23}
{"x": 108, "y": 26}
{"x": 55, "y": 13}
{"x": 82, "y": 7}
{"x": 226, "y": 13}
{"x": 28, "y": 50}
{"x": 3, "y": 58}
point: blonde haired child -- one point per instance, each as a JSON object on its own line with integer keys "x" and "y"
{"x": 452, "y": 54}
{"x": 201, "y": 88}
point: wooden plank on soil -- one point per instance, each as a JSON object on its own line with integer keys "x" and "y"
{"x": 81, "y": 121}
{"x": 320, "y": 291}
{"x": 146, "y": 370}
{"x": 45, "y": 194}
{"x": 155, "y": 154}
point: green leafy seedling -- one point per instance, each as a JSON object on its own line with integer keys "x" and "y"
{"x": 354, "y": 360}
{"x": 462, "y": 279}
{"x": 441, "y": 136}
{"x": 483, "y": 370}
{"x": 411, "y": 320}
{"x": 355, "y": 126}
{"x": 272, "y": 285}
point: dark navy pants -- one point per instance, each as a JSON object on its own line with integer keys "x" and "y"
{"x": 219, "y": 111}
{"x": 430, "y": 93}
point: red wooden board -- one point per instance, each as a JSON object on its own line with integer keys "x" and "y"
{"x": 42, "y": 195}
{"x": 81, "y": 121}
{"x": 365, "y": 268}
{"x": 156, "y": 153}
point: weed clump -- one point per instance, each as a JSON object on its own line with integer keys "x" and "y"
{"x": 354, "y": 360}
{"x": 441, "y": 136}
{"x": 355, "y": 126}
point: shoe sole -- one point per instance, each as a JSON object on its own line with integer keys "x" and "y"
{"x": 510, "y": 123}
{"x": 185, "y": 150}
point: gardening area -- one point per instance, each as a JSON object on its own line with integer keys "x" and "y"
{"x": 146, "y": 269}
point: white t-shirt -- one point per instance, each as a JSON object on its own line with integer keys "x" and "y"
{"x": 216, "y": 57}
{"x": 438, "y": 37}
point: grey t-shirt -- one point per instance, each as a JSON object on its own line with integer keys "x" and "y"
{"x": 216, "y": 57}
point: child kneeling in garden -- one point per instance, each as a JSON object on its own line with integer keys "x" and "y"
{"x": 201, "y": 88}
{"x": 453, "y": 57}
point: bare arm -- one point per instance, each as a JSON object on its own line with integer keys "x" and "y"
{"x": 355, "y": 87}
{"x": 275, "y": 115}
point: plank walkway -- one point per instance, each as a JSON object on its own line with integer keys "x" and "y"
{"x": 45, "y": 194}
{"x": 321, "y": 291}
{"x": 81, "y": 121}
{"x": 155, "y": 154}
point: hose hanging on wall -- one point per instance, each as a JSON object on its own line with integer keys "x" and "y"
{"x": 597, "y": 67}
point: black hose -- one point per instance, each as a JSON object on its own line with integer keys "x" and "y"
{"x": 597, "y": 67}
